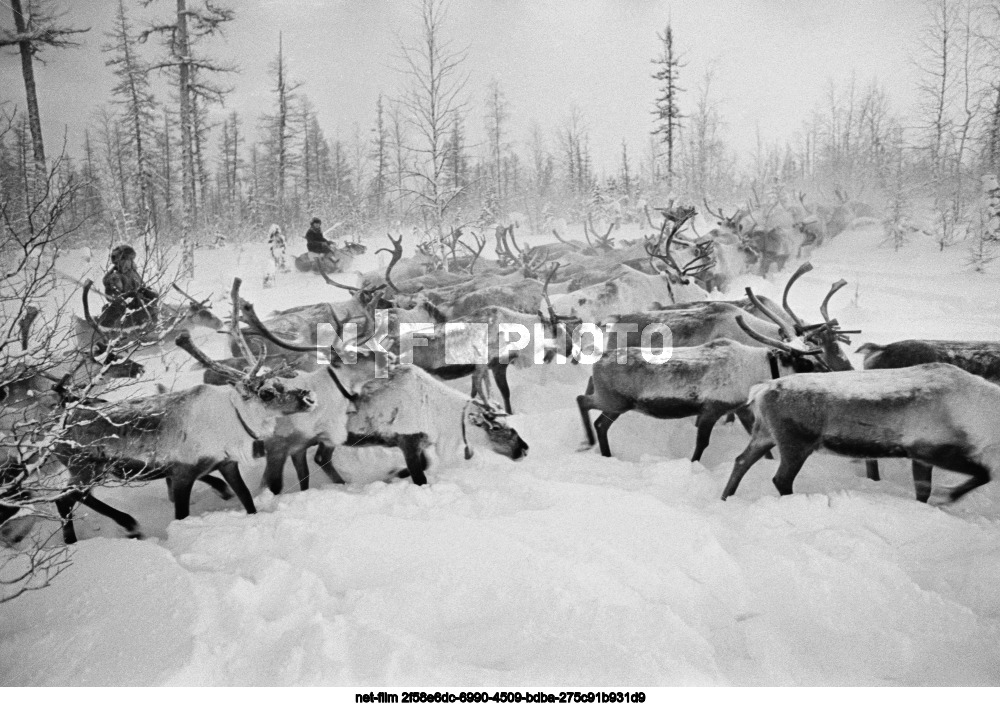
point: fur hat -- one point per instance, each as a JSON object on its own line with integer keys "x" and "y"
{"x": 121, "y": 252}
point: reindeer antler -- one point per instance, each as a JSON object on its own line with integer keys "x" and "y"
{"x": 774, "y": 343}
{"x": 604, "y": 241}
{"x": 481, "y": 242}
{"x": 545, "y": 294}
{"x": 397, "y": 254}
{"x": 237, "y": 333}
{"x": 802, "y": 270}
{"x": 674, "y": 220}
{"x": 782, "y": 324}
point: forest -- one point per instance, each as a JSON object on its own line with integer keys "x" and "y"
{"x": 163, "y": 157}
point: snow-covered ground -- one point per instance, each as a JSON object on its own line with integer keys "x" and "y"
{"x": 562, "y": 569}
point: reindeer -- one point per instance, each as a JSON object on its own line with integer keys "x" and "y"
{"x": 93, "y": 335}
{"x": 810, "y": 225}
{"x": 422, "y": 263}
{"x": 934, "y": 413}
{"x": 300, "y": 325}
{"x": 632, "y": 290}
{"x": 24, "y": 376}
{"x": 980, "y": 358}
{"x": 339, "y": 260}
{"x": 455, "y": 350}
{"x": 428, "y": 421}
{"x": 758, "y": 247}
{"x": 530, "y": 261}
{"x": 325, "y": 424}
{"x": 178, "y": 436}
{"x": 695, "y": 323}
{"x": 709, "y": 381}
{"x": 465, "y": 263}
{"x": 600, "y": 243}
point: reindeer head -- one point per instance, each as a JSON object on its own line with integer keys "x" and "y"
{"x": 500, "y": 437}
{"x": 820, "y": 339}
{"x": 697, "y": 259}
{"x": 561, "y": 327}
{"x": 255, "y": 381}
{"x": 287, "y": 401}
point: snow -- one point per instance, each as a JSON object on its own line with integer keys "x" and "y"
{"x": 563, "y": 569}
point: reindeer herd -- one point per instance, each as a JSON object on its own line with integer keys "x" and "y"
{"x": 790, "y": 383}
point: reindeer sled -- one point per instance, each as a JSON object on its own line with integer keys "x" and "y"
{"x": 139, "y": 321}
{"x": 340, "y": 260}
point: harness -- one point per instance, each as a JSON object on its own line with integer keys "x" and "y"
{"x": 465, "y": 441}
{"x": 257, "y": 449}
{"x": 772, "y": 359}
{"x": 340, "y": 386}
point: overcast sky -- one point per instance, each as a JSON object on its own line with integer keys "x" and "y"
{"x": 772, "y": 60}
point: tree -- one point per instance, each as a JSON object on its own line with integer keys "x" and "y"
{"x": 497, "y": 114}
{"x": 133, "y": 94}
{"x": 432, "y": 103}
{"x": 34, "y": 347}
{"x": 93, "y": 204}
{"x": 667, "y": 111}
{"x": 575, "y": 146}
{"x": 937, "y": 92}
{"x": 230, "y": 163}
{"x": 380, "y": 158}
{"x": 626, "y": 171}
{"x": 400, "y": 163}
{"x": 35, "y": 29}
{"x": 708, "y": 166}
{"x": 541, "y": 174}
{"x": 192, "y": 72}
{"x": 168, "y": 173}
{"x": 457, "y": 163}
{"x": 279, "y": 129}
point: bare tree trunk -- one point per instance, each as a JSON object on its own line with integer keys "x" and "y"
{"x": 28, "y": 72}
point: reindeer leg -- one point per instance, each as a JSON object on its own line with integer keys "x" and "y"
{"x": 412, "y": 447}
{"x": 64, "y": 504}
{"x": 324, "y": 457}
{"x": 601, "y": 425}
{"x": 871, "y": 469}
{"x": 301, "y": 468}
{"x": 170, "y": 489}
{"x": 274, "y": 470}
{"x": 130, "y": 524}
{"x": 500, "y": 376}
{"x": 922, "y": 480}
{"x": 586, "y": 403}
{"x": 758, "y": 446}
{"x": 746, "y": 419}
{"x": 706, "y": 422}
{"x": 183, "y": 480}
{"x": 230, "y": 471}
{"x": 979, "y": 475}
{"x": 793, "y": 455}
{"x": 218, "y": 485}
